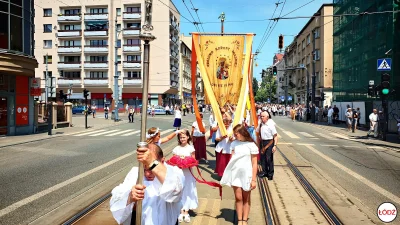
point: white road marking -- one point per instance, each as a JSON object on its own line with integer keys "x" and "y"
{"x": 56, "y": 187}
{"x": 291, "y": 135}
{"x": 279, "y": 127}
{"x": 117, "y": 133}
{"x": 106, "y": 132}
{"x": 129, "y": 134}
{"x": 326, "y": 136}
{"x": 306, "y": 134}
{"x": 346, "y": 146}
{"x": 340, "y": 136}
{"x": 330, "y": 145}
{"x": 305, "y": 144}
{"x": 91, "y": 132}
{"x": 284, "y": 143}
{"x": 376, "y": 147}
{"x": 362, "y": 179}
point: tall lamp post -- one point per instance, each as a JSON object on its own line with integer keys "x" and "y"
{"x": 145, "y": 36}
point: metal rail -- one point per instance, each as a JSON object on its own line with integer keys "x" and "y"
{"x": 270, "y": 213}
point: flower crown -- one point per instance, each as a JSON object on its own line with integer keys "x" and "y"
{"x": 152, "y": 135}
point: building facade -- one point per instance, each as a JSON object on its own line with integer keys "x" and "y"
{"x": 312, "y": 48}
{"x": 358, "y": 42}
{"x": 280, "y": 78}
{"x": 17, "y": 67}
{"x": 79, "y": 40}
{"x": 185, "y": 63}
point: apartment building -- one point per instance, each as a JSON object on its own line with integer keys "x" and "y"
{"x": 79, "y": 39}
{"x": 280, "y": 78}
{"x": 312, "y": 47}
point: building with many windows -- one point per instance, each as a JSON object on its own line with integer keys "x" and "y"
{"x": 79, "y": 38}
{"x": 17, "y": 67}
{"x": 185, "y": 63}
{"x": 312, "y": 48}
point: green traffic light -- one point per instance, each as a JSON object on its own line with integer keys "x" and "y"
{"x": 385, "y": 91}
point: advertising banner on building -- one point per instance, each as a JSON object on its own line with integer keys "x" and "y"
{"x": 35, "y": 87}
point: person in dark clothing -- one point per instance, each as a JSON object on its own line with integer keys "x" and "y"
{"x": 335, "y": 115}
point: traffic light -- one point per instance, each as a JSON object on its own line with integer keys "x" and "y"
{"x": 263, "y": 73}
{"x": 85, "y": 93}
{"x": 280, "y": 41}
{"x": 385, "y": 83}
{"x": 274, "y": 70}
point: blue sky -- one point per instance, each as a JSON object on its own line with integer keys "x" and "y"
{"x": 240, "y": 10}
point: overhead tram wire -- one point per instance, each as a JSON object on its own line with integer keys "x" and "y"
{"x": 178, "y": 13}
{"x": 196, "y": 9}
{"x": 266, "y": 29}
{"x": 196, "y": 24}
{"x": 339, "y": 15}
{"x": 274, "y": 25}
{"x": 298, "y": 8}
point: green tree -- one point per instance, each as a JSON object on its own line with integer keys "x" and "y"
{"x": 255, "y": 86}
{"x": 267, "y": 89}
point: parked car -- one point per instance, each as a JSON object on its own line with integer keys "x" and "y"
{"x": 80, "y": 109}
{"x": 159, "y": 110}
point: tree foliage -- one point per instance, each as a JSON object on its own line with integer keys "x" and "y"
{"x": 267, "y": 90}
{"x": 255, "y": 86}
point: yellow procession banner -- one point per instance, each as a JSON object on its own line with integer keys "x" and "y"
{"x": 223, "y": 60}
{"x": 220, "y": 59}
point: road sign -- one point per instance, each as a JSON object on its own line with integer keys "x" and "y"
{"x": 384, "y": 64}
{"x": 289, "y": 98}
{"x": 282, "y": 98}
{"x": 268, "y": 100}
{"x": 371, "y": 82}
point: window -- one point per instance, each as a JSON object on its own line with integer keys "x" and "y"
{"x": 316, "y": 33}
{"x": 317, "y": 78}
{"x": 49, "y": 59}
{"x": 119, "y": 58}
{"x": 118, "y": 11}
{"x": 47, "y": 12}
{"x": 133, "y": 9}
{"x": 119, "y": 73}
{"x": 119, "y": 43}
{"x": 98, "y": 11}
{"x": 4, "y": 25}
{"x": 47, "y": 44}
{"x": 133, "y": 58}
{"x": 98, "y": 58}
{"x": 134, "y": 74}
{"x": 98, "y": 74}
{"x": 133, "y": 42}
{"x": 317, "y": 54}
{"x": 133, "y": 25}
{"x": 118, "y": 27}
{"x": 72, "y": 43}
{"x": 98, "y": 43}
{"x": 308, "y": 39}
{"x": 72, "y": 27}
{"x": 308, "y": 59}
{"x": 71, "y": 74}
{"x": 49, "y": 74}
{"x": 303, "y": 44}
{"x": 16, "y": 33}
{"x": 72, "y": 59}
{"x": 47, "y": 28}
{"x": 72, "y": 12}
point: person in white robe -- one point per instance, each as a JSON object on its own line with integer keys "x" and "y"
{"x": 161, "y": 191}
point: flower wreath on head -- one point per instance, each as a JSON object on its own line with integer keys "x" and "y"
{"x": 152, "y": 135}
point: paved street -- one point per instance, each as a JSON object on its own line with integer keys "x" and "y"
{"x": 43, "y": 175}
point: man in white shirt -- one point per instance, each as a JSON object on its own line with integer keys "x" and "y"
{"x": 330, "y": 114}
{"x": 267, "y": 139}
{"x": 161, "y": 191}
{"x": 373, "y": 121}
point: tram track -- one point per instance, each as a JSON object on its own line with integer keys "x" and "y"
{"x": 269, "y": 207}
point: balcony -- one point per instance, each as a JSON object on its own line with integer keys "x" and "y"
{"x": 69, "y": 33}
{"x": 131, "y": 31}
{"x": 173, "y": 38}
{"x": 62, "y": 81}
{"x": 96, "y": 64}
{"x": 69, "y": 49}
{"x": 69, "y": 65}
{"x": 173, "y": 68}
{"x": 96, "y": 48}
{"x": 96, "y": 81}
{"x": 132, "y": 81}
{"x": 96, "y": 16}
{"x": 94, "y": 33}
{"x": 132, "y": 64}
{"x": 132, "y": 48}
{"x": 174, "y": 55}
{"x": 132, "y": 15}
{"x": 69, "y": 18}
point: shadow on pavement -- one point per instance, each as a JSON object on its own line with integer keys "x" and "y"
{"x": 227, "y": 215}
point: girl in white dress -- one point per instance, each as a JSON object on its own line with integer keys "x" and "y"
{"x": 189, "y": 196}
{"x": 241, "y": 171}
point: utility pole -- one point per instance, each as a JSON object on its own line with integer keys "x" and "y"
{"x": 222, "y": 17}
{"x": 145, "y": 36}
{"x": 313, "y": 83}
{"x": 116, "y": 89}
{"x": 46, "y": 85}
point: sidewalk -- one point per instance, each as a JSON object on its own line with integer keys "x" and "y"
{"x": 78, "y": 124}
{"x": 392, "y": 142}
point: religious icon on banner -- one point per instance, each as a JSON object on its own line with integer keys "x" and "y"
{"x": 223, "y": 69}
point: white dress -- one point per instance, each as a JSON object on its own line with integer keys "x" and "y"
{"x": 189, "y": 196}
{"x": 239, "y": 171}
{"x": 161, "y": 204}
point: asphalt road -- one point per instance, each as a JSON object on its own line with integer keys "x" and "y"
{"x": 40, "y": 176}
